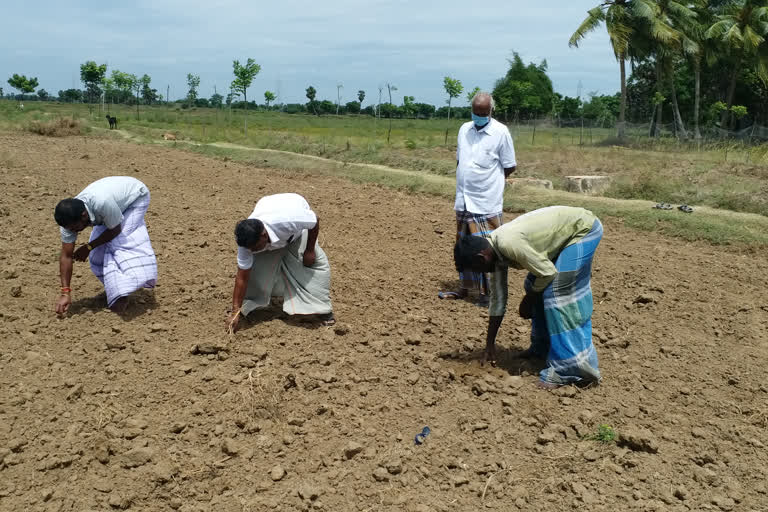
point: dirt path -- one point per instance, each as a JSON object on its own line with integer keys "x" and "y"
{"x": 100, "y": 413}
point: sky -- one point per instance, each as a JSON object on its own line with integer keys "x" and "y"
{"x": 360, "y": 45}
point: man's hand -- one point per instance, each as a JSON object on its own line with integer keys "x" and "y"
{"x": 81, "y": 254}
{"x": 233, "y": 322}
{"x": 309, "y": 258}
{"x": 62, "y": 305}
{"x": 526, "y": 307}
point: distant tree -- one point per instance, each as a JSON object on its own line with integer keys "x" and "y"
{"x": 326, "y": 107}
{"x": 471, "y": 94}
{"x": 193, "y": 82}
{"x": 216, "y": 100}
{"x": 622, "y": 18}
{"x": 361, "y": 97}
{"x": 244, "y": 75}
{"x": 119, "y": 86}
{"x": 525, "y": 89}
{"x": 352, "y": 107}
{"x": 424, "y": 110}
{"x": 23, "y": 84}
{"x": 1, "y": 92}
{"x": 741, "y": 30}
{"x": 42, "y": 94}
{"x": 148, "y": 94}
{"x": 71, "y": 95}
{"x": 409, "y": 110}
{"x": 269, "y": 97}
{"x": 92, "y": 74}
{"x": 453, "y": 88}
{"x": 311, "y": 93}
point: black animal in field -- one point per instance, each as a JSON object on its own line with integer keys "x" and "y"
{"x": 112, "y": 122}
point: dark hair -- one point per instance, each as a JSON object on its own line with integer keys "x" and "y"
{"x": 466, "y": 249}
{"x": 68, "y": 211}
{"x": 248, "y": 232}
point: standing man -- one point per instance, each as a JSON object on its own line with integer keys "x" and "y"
{"x": 556, "y": 245}
{"x": 278, "y": 255}
{"x": 485, "y": 156}
{"x": 119, "y": 249}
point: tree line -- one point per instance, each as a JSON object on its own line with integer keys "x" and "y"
{"x": 686, "y": 55}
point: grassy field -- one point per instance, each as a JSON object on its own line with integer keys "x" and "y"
{"x": 718, "y": 176}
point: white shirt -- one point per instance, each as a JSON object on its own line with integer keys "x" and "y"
{"x": 482, "y": 155}
{"x": 285, "y": 217}
{"x": 106, "y": 200}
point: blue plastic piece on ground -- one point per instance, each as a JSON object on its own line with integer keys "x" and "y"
{"x": 422, "y": 436}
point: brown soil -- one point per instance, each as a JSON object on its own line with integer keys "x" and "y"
{"x": 163, "y": 410}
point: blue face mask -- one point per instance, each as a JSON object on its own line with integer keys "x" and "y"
{"x": 480, "y": 121}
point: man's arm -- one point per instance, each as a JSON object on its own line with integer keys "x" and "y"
{"x": 238, "y": 295}
{"x": 81, "y": 254}
{"x": 509, "y": 170}
{"x": 309, "y": 252}
{"x": 65, "y": 274}
{"x": 496, "y": 310}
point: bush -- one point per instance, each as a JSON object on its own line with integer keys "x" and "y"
{"x": 63, "y": 127}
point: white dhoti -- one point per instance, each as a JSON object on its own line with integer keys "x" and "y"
{"x": 281, "y": 273}
{"x": 127, "y": 262}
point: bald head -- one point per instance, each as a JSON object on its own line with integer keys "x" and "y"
{"x": 482, "y": 104}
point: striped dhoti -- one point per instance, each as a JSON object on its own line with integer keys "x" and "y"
{"x": 476, "y": 224}
{"x": 127, "y": 262}
{"x": 562, "y": 319}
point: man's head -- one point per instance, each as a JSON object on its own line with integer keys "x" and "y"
{"x": 72, "y": 215}
{"x": 474, "y": 253}
{"x": 482, "y": 107}
{"x": 250, "y": 233}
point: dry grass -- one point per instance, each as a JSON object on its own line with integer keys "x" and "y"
{"x": 62, "y": 127}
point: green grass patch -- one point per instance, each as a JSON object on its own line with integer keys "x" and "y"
{"x": 605, "y": 434}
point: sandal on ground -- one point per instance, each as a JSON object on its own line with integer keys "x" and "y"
{"x": 685, "y": 208}
{"x": 663, "y": 206}
{"x": 449, "y": 295}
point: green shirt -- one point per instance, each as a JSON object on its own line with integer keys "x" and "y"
{"x": 533, "y": 242}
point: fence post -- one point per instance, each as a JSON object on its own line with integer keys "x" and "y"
{"x": 533, "y": 137}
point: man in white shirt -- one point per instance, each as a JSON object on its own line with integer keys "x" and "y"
{"x": 278, "y": 255}
{"x": 119, "y": 249}
{"x": 485, "y": 157}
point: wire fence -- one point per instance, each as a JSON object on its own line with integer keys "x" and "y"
{"x": 748, "y": 144}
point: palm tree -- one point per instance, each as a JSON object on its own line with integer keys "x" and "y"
{"x": 621, "y": 18}
{"x": 741, "y": 28}
{"x": 707, "y": 53}
{"x": 671, "y": 33}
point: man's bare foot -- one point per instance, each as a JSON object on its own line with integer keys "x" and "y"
{"x": 120, "y": 305}
{"x": 327, "y": 319}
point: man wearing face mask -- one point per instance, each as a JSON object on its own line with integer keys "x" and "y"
{"x": 278, "y": 256}
{"x": 485, "y": 157}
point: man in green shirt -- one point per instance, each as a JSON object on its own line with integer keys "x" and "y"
{"x": 556, "y": 245}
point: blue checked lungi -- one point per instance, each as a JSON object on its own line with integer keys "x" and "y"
{"x": 127, "y": 262}
{"x": 476, "y": 224}
{"x": 562, "y": 320}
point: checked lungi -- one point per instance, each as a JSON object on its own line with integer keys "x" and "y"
{"x": 127, "y": 262}
{"x": 281, "y": 273}
{"x": 476, "y": 224}
{"x": 562, "y": 319}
